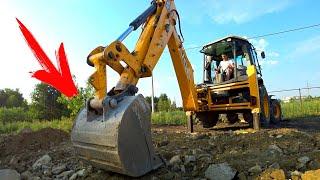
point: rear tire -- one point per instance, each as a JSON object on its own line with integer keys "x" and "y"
{"x": 276, "y": 115}
{"x": 265, "y": 106}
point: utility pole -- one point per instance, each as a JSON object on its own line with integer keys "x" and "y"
{"x": 152, "y": 95}
{"x": 308, "y": 89}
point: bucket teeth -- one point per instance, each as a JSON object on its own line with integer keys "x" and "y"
{"x": 120, "y": 141}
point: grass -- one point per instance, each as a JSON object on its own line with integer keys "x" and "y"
{"x": 15, "y": 127}
{"x": 158, "y": 118}
{"x": 169, "y": 118}
{"x": 293, "y": 109}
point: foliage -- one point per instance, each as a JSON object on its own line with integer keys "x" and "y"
{"x": 169, "y": 118}
{"x": 77, "y": 102}
{"x": 45, "y": 104}
{"x": 15, "y": 127}
{"x": 295, "y": 109}
{"x": 12, "y": 98}
{"x": 9, "y": 115}
{"x": 163, "y": 103}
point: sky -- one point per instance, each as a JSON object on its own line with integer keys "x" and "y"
{"x": 292, "y": 59}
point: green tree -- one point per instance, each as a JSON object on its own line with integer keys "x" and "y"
{"x": 10, "y": 98}
{"x": 45, "y": 104}
{"x": 155, "y": 100}
{"x": 164, "y": 103}
{"x": 76, "y": 103}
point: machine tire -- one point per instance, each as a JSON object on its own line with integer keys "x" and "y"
{"x": 208, "y": 119}
{"x": 276, "y": 115}
{"x": 232, "y": 117}
{"x": 265, "y": 106}
{"x": 247, "y": 116}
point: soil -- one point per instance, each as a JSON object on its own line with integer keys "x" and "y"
{"x": 280, "y": 145}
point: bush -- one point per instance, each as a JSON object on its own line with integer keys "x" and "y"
{"x": 169, "y": 118}
{"x": 64, "y": 124}
{"x": 293, "y": 109}
{"x": 9, "y": 115}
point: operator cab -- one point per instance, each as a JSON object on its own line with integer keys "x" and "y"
{"x": 238, "y": 50}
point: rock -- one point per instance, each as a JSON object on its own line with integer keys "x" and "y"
{"x": 275, "y": 166}
{"x": 197, "y": 136}
{"x": 80, "y": 173}
{"x": 163, "y": 143}
{"x": 279, "y": 136}
{"x": 196, "y": 151}
{"x": 205, "y": 157}
{"x": 74, "y": 176}
{"x": 26, "y": 130}
{"x": 26, "y": 175}
{"x": 313, "y": 165}
{"x": 275, "y": 148}
{"x": 272, "y": 174}
{"x": 9, "y": 174}
{"x": 220, "y": 172}
{"x": 168, "y": 176}
{"x": 44, "y": 160}
{"x": 58, "y": 169}
{"x": 189, "y": 158}
{"x": 47, "y": 172}
{"x": 175, "y": 160}
{"x": 308, "y": 175}
{"x": 302, "y": 161}
{"x": 295, "y": 175}
{"x": 175, "y": 168}
{"x": 65, "y": 174}
{"x": 183, "y": 169}
{"x": 242, "y": 176}
{"x": 14, "y": 160}
{"x": 255, "y": 170}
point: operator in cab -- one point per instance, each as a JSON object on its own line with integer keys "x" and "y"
{"x": 226, "y": 66}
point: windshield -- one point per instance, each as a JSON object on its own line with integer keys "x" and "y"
{"x": 225, "y": 60}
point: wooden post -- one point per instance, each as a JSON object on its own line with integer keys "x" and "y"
{"x": 300, "y": 98}
{"x": 189, "y": 121}
{"x": 256, "y": 121}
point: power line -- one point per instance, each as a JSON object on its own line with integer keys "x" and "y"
{"x": 271, "y": 34}
{"x": 286, "y": 31}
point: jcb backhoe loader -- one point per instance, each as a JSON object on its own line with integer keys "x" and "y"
{"x": 113, "y": 130}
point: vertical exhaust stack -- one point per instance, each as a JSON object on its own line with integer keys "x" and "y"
{"x": 119, "y": 140}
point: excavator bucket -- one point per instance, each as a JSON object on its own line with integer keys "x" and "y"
{"x": 119, "y": 140}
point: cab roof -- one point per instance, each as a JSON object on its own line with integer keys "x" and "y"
{"x": 231, "y": 37}
{"x": 222, "y": 46}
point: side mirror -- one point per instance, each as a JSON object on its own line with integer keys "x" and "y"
{"x": 263, "y": 55}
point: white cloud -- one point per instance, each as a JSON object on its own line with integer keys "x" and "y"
{"x": 271, "y": 56}
{"x": 229, "y": 11}
{"x": 306, "y": 47}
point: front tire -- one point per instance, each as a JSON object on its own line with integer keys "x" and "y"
{"x": 265, "y": 106}
{"x": 276, "y": 115}
{"x": 208, "y": 119}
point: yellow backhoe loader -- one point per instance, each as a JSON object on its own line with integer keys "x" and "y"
{"x": 113, "y": 130}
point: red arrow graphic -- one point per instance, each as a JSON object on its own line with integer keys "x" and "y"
{"x": 60, "y": 79}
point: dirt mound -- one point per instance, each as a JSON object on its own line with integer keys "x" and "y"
{"x": 31, "y": 141}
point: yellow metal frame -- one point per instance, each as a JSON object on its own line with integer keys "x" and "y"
{"x": 158, "y": 32}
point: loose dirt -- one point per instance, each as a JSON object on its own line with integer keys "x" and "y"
{"x": 244, "y": 150}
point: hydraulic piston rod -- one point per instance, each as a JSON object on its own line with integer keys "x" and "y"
{"x": 138, "y": 21}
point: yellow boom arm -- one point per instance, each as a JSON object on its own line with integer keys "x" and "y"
{"x": 158, "y": 31}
